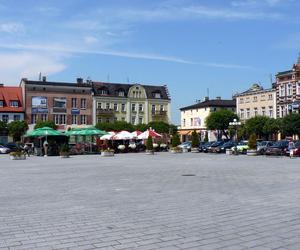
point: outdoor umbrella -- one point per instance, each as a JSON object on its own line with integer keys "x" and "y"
{"x": 123, "y": 135}
{"x": 148, "y": 133}
{"x": 136, "y": 133}
{"x": 91, "y": 131}
{"x": 45, "y": 131}
{"x": 108, "y": 136}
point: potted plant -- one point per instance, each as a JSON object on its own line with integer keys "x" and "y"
{"x": 18, "y": 155}
{"x": 64, "y": 151}
{"x": 252, "y": 145}
{"x": 195, "y": 142}
{"x": 107, "y": 152}
{"x": 163, "y": 147}
{"x": 149, "y": 146}
{"x": 121, "y": 147}
{"x": 175, "y": 142}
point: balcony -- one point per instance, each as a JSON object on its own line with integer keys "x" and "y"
{"x": 159, "y": 113}
{"x": 105, "y": 111}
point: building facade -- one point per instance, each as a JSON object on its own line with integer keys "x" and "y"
{"x": 256, "y": 101}
{"x": 133, "y": 103}
{"x": 11, "y": 107}
{"x": 193, "y": 117}
{"x": 288, "y": 90}
{"x": 67, "y": 104}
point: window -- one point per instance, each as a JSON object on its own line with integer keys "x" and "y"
{"x": 281, "y": 110}
{"x": 74, "y": 102}
{"x": 1, "y": 103}
{"x": 263, "y": 111}
{"x": 123, "y": 119}
{"x": 248, "y": 113}
{"x": 153, "y": 108}
{"x": 44, "y": 117}
{"x": 161, "y": 108}
{"x": 270, "y": 96}
{"x": 5, "y": 118}
{"x": 14, "y": 104}
{"x": 157, "y": 95}
{"x": 255, "y": 112}
{"x": 242, "y": 100}
{"x": 141, "y": 108}
{"x": 271, "y": 111}
{"x": 33, "y": 118}
{"x": 242, "y": 114}
{"x": 289, "y": 89}
{"x": 83, "y": 103}
{"x": 99, "y": 119}
{"x": 115, "y": 119}
{"x": 17, "y": 117}
{"x": 107, "y": 106}
{"x": 298, "y": 90}
{"x": 133, "y": 119}
{"x": 123, "y": 107}
{"x": 281, "y": 90}
{"x": 140, "y": 120}
{"x": 107, "y": 120}
{"x": 116, "y": 106}
{"x": 191, "y": 121}
{"x": 103, "y": 92}
{"x": 255, "y": 99}
{"x": 121, "y": 93}
{"x": 133, "y": 107}
{"x": 82, "y": 119}
{"x": 183, "y": 124}
{"x": 60, "y": 119}
{"x": 99, "y": 105}
{"x": 74, "y": 119}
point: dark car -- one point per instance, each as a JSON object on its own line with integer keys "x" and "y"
{"x": 207, "y": 146}
{"x": 215, "y": 146}
{"x": 262, "y": 146}
{"x": 278, "y": 148}
{"x": 295, "y": 147}
{"x": 13, "y": 147}
{"x": 222, "y": 148}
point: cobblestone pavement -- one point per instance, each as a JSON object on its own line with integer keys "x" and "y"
{"x": 137, "y": 201}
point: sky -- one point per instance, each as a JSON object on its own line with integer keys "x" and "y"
{"x": 219, "y": 47}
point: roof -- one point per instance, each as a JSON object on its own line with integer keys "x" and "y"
{"x": 113, "y": 89}
{"x": 255, "y": 89}
{"x": 218, "y": 103}
{"x": 8, "y": 94}
{"x": 287, "y": 72}
{"x": 58, "y": 84}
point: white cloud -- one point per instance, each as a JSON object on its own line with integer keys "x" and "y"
{"x": 12, "y": 27}
{"x": 90, "y": 40}
{"x": 16, "y": 65}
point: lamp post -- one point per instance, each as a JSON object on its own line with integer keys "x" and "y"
{"x": 235, "y": 124}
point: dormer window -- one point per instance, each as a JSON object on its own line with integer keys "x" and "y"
{"x": 1, "y": 103}
{"x": 157, "y": 95}
{"x": 121, "y": 93}
{"x": 14, "y": 104}
{"x": 103, "y": 91}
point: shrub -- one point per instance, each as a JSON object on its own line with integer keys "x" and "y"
{"x": 64, "y": 149}
{"x": 195, "y": 139}
{"x": 175, "y": 140}
{"x": 252, "y": 141}
{"x": 149, "y": 143}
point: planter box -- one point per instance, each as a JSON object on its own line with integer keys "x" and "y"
{"x": 22, "y": 157}
{"x": 173, "y": 151}
{"x": 229, "y": 152}
{"x": 251, "y": 152}
{"x": 149, "y": 152}
{"x": 107, "y": 153}
{"x": 194, "y": 150}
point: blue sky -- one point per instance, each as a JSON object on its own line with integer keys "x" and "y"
{"x": 187, "y": 44}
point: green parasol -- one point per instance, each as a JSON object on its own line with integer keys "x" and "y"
{"x": 45, "y": 131}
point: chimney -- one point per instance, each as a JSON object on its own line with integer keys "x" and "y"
{"x": 206, "y": 98}
{"x": 79, "y": 80}
{"x": 218, "y": 97}
{"x": 44, "y": 79}
{"x": 1, "y": 85}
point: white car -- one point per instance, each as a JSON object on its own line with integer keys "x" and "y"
{"x": 4, "y": 150}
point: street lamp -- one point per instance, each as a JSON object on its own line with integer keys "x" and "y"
{"x": 235, "y": 124}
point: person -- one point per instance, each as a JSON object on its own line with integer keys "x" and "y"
{"x": 291, "y": 148}
{"x": 45, "y": 145}
{"x": 26, "y": 149}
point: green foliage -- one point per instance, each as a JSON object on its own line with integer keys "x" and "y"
{"x": 291, "y": 125}
{"x": 256, "y": 125}
{"x": 242, "y": 132}
{"x": 272, "y": 126}
{"x": 149, "y": 143}
{"x": 41, "y": 124}
{"x": 195, "y": 139}
{"x": 206, "y": 137}
{"x": 159, "y": 127}
{"x": 252, "y": 141}
{"x": 173, "y": 129}
{"x": 141, "y": 127}
{"x": 220, "y": 120}
{"x": 175, "y": 140}
{"x": 64, "y": 148}
{"x": 16, "y": 129}
{"x": 3, "y": 128}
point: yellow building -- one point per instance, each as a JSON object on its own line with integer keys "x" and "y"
{"x": 193, "y": 117}
{"x": 133, "y": 103}
{"x": 256, "y": 101}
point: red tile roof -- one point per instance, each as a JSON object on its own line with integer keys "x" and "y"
{"x": 8, "y": 94}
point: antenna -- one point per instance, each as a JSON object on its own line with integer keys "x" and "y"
{"x": 127, "y": 79}
{"x": 40, "y": 76}
{"x": 271, "y": 79}
{"x": 108, "y": 78}
{"x": 207, "y": 92}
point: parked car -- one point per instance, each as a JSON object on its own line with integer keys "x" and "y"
{"x": 262, "y": 146}
{"x": 227, "y": 145}
{"x": 13, "y": 146}
{"x": 215, "y": 146}
{"x": 278, "y": 148}
{"x": 207, "y": 146}
{"x": 241, "y": 147}
{"x": 201, "y": 145}
{"x": 4, "y": 150}
{"x": 296, "y": 150}
{"x": 186, "y": 145}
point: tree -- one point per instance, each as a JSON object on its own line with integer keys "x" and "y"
{"x": 16, "y": 129}
{"x": 242, "y": 132}
{"x": 195, "y": 139}
{"x": 272, "y": 127}
{"x": 141, "y": 127}
{"x": 115, "y": 126}
{"x": 256, "y": 126}
{"x": 219, "y": 120}
{"x": 252, "y": 141}
{"x": 159, "y": 127}
{"x": 291, "y": 125}
{"x": 175, "y": 140}
{"x": 3, "y": 128}
{"x": 149, "y": 143}
{"x": 206, "y": 137}
{"x": 41, "y": 124}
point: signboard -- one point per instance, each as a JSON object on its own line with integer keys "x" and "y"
{"x": 295, "y": 105}
{"x": 39, "y": 102}
{"x": 39, "y": 110}
{"x": 59, "y": 105}
{"x": 197, "y": 121}
{"x": 75, "y": 111}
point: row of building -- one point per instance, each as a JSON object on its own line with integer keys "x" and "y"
{"x": 282, "y": 98}
{"x": 83, "y": 103}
